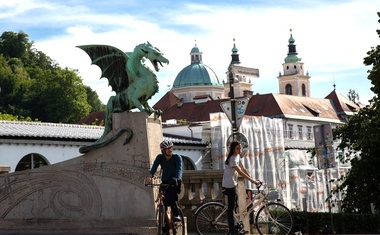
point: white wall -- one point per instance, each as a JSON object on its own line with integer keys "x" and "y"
{"x": 12, "y": 151}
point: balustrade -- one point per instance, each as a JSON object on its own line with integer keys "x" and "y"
{"x": 198, "y": 187}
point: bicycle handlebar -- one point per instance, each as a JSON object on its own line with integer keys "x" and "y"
{"x": 158, "y": 185}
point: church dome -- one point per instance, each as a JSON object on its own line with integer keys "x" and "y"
{"x": 197, "y": 73}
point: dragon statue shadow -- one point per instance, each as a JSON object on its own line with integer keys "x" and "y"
{"x": 132, "y": 80}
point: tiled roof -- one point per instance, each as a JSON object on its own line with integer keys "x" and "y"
{"x": 334, "y": 108}
{"x": 288, "y": 106}
{"x": 43, "y": 130}
{"x": 182, "y": 140}
{"x": 193, "y": 112}
{"x": 168, "y": 100}
{"x": 343, "y": 105}
{"x": 49, "y": 130}
{"x": 95, "y": 117}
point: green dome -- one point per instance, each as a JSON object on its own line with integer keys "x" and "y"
{"x": 195, "y": 50}
{"x": 196, "y": 74}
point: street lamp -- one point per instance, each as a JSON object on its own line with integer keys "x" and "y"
{"x": 233, "y": 101}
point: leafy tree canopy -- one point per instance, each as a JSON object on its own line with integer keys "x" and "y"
{"x": 360, "y": 136}
{"x": 33, "y": 85}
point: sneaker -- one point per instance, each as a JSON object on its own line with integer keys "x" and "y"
{"x": 177, "y": 218}
{"x": 242, "y": 231}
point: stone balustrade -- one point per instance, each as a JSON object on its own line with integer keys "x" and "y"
{"x": 198, "y": 187}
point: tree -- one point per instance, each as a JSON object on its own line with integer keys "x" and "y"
{"x": 361, "y": 140}
{"x": 59, "y": 96}
{"x": 33, "y": 85}
{"x": 93, "y": 100}
{"x": 353, "y": 96}
{"x": 15, "y": 45}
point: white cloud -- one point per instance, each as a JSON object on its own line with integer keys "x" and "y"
{"x": 331, "y": 39}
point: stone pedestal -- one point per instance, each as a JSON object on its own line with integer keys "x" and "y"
{"x": 102, "y": 190}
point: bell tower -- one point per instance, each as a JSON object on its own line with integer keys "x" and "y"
{"x": 242, "y": 76}
{"x": 293, "y": 80}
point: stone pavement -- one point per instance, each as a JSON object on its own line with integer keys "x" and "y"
{"x": 65, "y": 233}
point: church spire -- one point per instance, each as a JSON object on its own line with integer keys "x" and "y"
{"x": 292, "y": 51}
{"x": 235, "y": 56}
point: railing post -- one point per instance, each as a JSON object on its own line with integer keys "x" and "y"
{"x": 242, "y": 201}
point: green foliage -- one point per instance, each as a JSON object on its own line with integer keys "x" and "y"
{"x": 33, "y": 85}
{"x": 335, "y": 223}
{"x": 353, "y": 96}
{"x": 93, "y": 100}
{"x": 10, "y": 117}
{"x": 361, "y": 140}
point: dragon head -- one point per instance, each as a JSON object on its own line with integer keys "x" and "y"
{"x": 153, "y": 54}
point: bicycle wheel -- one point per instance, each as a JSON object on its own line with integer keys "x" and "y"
{"x": 211, "y": 218}
{"x": 160, "y": 218}
{"x": 274, "y": 218}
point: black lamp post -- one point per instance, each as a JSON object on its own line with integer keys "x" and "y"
{"x": 233, "y": 101}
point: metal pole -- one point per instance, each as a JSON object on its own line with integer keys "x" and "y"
{"x": 233, "y": 101}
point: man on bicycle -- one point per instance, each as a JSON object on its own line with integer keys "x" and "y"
{"x": 171, "y": 169}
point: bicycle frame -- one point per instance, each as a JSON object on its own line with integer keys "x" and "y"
{"x": 163, "y": 215}
{"x": 258, "y": 200}
{"x": 268, "y": 216}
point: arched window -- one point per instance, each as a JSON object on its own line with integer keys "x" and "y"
{"x": 31, "y": 161}
{"x": 303, "y": 90}
{"x": 187, "y": 164}
{"x": 288, "y": 89}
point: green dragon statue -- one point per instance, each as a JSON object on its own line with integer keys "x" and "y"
{"x": 133, "y": 81}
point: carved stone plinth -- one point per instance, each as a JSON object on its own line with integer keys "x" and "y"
{"x": 102, "y": 190}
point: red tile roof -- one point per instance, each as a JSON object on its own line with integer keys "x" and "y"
{"x": 342, "y": 104}
{"x": 193, "y": 112}
{"x": 168, "y": 100}
{"x": 279, "y": 105}
{"x": 334, "y": 107}
{"x": 96, "y": 117}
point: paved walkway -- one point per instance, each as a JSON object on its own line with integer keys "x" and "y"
{"x": 66, "y": 233}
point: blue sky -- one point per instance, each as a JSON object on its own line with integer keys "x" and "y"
{"x": 332, "y": 37}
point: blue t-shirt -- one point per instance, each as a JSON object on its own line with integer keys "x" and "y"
{"x": 170, "y": 168}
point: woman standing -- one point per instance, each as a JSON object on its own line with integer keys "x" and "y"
{"x": 232, "y": 170}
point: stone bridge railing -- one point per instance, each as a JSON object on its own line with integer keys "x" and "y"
{"x": 198, "y": 187}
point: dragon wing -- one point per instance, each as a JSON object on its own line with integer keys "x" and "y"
{"x": 112, "y": 62}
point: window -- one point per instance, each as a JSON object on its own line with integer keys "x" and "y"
{"x": 300, "y": 132}
{"x": 290, "y": 128}
{"x": 31, "y": 161}
{"x": 309, "y": 136}
{"x": 288, "y": 89}
{"x": 303, "y": 90}
{"x": 187, "y": 164}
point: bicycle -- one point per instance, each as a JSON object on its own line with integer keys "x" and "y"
{"x": 270, "y": 218}
{"x": 164, "y": 214}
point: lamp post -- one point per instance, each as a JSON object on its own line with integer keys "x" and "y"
{"x": 233, "y": 101}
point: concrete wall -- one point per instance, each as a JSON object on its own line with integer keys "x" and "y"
{"x": 101, "y": 190}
